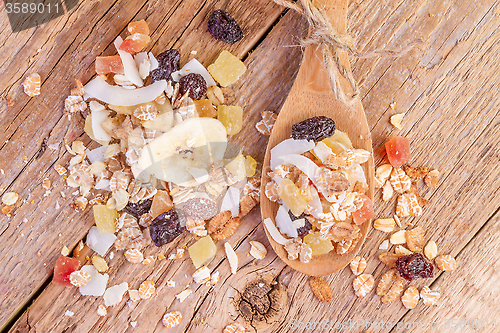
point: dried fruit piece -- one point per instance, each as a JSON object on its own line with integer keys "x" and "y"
{"x": 410, "y": 297}
{"x": 358, "y": 265}
{"x": 79, "y": 278}
{"x": 147, "y": 289}
{"x": 430, "y": 297}
{"x": 140, "y": 27}
{"x": 363, "y": 284}
{"x": 389, "y": 259}
{"x": 431, "y": 250}
{"x": 318, "y": 244}
{"x": 385, "y": 225}
{"x": 231, "y": 117}
{"x": 320, "y": 288}
{"x": 400, "y": 182}
{"x": 32, "y": 84}
{"x": 172, "y": 319}
{"x": 105, "y": 218}
{"x": 315, "y": 128}
{"x": 99, "y": 264}
{"x": 161, "y": 203}
{"x": 415, "y": 239}
{"x": 338, "y": 142}
{"x": 446, "y": 263}
{"x": 134, "y": 43}
{"x": 292, "y": 197}
{"x": 250, "y": 166}
{"x": 165, "y": 228}
{"x": 111, "y": 64}
{"x": 10, "y": 198}
{"x": 234, "y": 328}
{"x": 396, "y": 120}
{"x": 398, "y": 151}
{"x": 200, "y": 208}
{"x": 204, "y": 108}
{"x": 62, "y": 270}
{"x": 134, "y": 256}
{"x": 258, "y": 250}
{"x": 195, "y": 84}
{"x": 227, "y": 69}
{"x": 168, "y": 62}
{"x": 139, "y": 208}
{"x": 223, "y": 27}
{"x": 202, "y": 251}
{"x": 414, "y": 266}
{"x": 431, "y": 178}
{"x": 265, "y": 126}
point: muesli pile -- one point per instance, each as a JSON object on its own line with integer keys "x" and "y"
{"x": 165, "y": 166}
{"x": 320, "y": 186}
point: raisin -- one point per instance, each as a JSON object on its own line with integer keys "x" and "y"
{"x": 166, "y": 227}
{"x": 414, "y": 266}
{"x": 196, "y": 85}
{"x": 224, "y": 28}
{"x": 315, "y": 128}
{"x": 168, "y": 62}
{"x": 304, "y": 230}
{"x": 139, "y": 208}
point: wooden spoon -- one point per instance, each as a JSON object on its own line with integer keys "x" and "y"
{"x": 311, "y": 95}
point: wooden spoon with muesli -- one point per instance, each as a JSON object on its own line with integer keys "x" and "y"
{"x": 317, "y": 180}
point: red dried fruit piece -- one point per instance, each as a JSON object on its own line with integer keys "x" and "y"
{"x": 196, "y": 85}
{"x": 365, "y": 213}
{"x": 135, "y": 43}
{"x": 168, "y": 62}
{"x": 138, "y": 27}
{"x": 315, "y": 128}
{"x": 398, "y": 151}
{"x": 111, "y": 64}
{"x": 166, "y": 227}
{"x": 414, "y": 266}
{"x": 64, "y": 267}
{"x": 224, "y": 28}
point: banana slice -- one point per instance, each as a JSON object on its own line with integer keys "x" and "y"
{"x": 193, "y": 143}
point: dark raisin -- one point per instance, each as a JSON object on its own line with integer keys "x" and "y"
{"x": 165, "y": 228}
{"x": 224, "y": 28}
{"x": 315, "y": 128}
{"x": 168, "y": 62}
{"x": 139, "y": 208}
{"x": 304, "y": 230}
{"x": 414, "y": 266}
{"x": 196, "y": 85}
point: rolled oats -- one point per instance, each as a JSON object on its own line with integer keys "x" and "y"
{"x": 147, "y": 289}
{"x": 402, "y": 250}
{"x": 415, "y": 172}
{"x": 265, "y": 126}
{"x": 74, "y": 103}
{"x": 258, "y": 250}
{"x": 99, "y": 264}
{"x": 271, "y": 191}
{"x": 431, "y": 250}
{"x": 395, "y": 290}
{"x": 389, "y": 259}
{"x": 399, "y": 180}
{"x": 101, "y": 311}
{"x": 81, "y": 203}
{"x": 387, "y": 191}
{"x": 358, "y": 265}
{"x": 234, "y": 328}
{"x": 79, "y": 278}
{"x": 320, "y": 288}
{"x": 399, "y": 237}
{"x": 134, "y": 295}
{"x": 429, "y": 297}
{"x": 363, "y": 284}
{"x": 385, "y": 225}
{"x": 148, "y": 260}
{"x": 446, "y": 263}
{"x": 60, "y": 169}
{"x": 410, "y": 297}
{"x": 396, "y": 120}
{"x": 172, "y": 319}
{"x": 415, "y": 239}
{"x": 196, "y": 227}
{"x": 222, "y": 226}
{"x": 201, "y": 275}
{"x": 383, "y": 172}
{"x": 134, "y": 256}
{"x": 343, "y": 247}
{"x": 215, "y": 95}
{"x": 386, "y": 281}
{"x": 78, "y": 90}
{"x": 10, "y": 198}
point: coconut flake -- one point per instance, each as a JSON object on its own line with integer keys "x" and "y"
{"x": 231, "y": 257}
{"x": 315, "y": 204}
{"x": 97, "y": 284}
{"x": 100, "y": 242}
{"x": 129, "y": 66}
{"x": 274, "y": 232}
{"x": 284, "y": 222}
{"x": 69, "y": 313}
{"x": 194, "y": 66}
{"x": 299, "y": 223}
{"x": 183, "y": 295}
{"x": 231, "y": 201}
{"x": 153, "y": 61}
{"x": 287, "y": 147}
{"x": 114, "y": 295}
{"x": 200, "y": 175}
{"x": 116, "y": 95}
{"x": 322, "y": 151}
{"x": 140, "y": 57}
{"x": 99, "y": 115}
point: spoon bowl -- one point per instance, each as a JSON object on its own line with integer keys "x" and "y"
{"x": 311, "y": 95}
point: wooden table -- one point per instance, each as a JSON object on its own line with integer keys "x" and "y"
{"x": 448, "y": 87}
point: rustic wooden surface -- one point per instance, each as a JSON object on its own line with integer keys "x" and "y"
{"x": 448, "y": 87}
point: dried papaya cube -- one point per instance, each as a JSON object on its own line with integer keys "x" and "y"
{"x": 204, "y": 108}
{"x": 111, "y": 64}
{"x": 63, "y": 269}
{"x": 140, "y": 27}
{"x": 231, "y": 117}
{"x": 227, "y": 69}
{"x": 105, "y": 218}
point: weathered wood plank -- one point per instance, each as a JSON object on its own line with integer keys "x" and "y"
{"x": 35, "y": 119}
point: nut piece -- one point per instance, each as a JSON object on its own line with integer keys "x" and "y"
{"x": 429, "y": 296}
{"x": 231, "y": 257}
{"x": 147, "y": 289}
{"x": 222, "y": 225}
{"x": 234, "y": 328}
{"x": 10, "y": 198}
{"x": 396, "y": 120}
{"x": 399, "y": 237}
{"x": 415, "y": 239}
{"x": 446, "y": 263}
{"x": 384, "y": 245}
{"x": 410, "y": 297}
{"x": 395, "y": 290}
{"x": 215, "y": 95}
{"x": 431, "y": 250}
{"x": 385, "y": 225}
{"x": 99, "y": 264}
{"x": 358, "y": 265}
{"x": 79, "y": 278}
{"x": 387, "y": 191}
{"x": 402, "y": 250}
{"x": 399, "y": 180}
{"x": 172, "y": 319}
{"x": 320, "y": 288}
{"x": 389, "y": 259}
{"x": 386, "y": 281}
{"x": 415, "y": 173}
{"x": 431, "y": 178}
{"x": 134, "y": 256}
{"x": 258, "y": 250}
{"x": 383, "y": 172}
{"x": 363, "y": 284}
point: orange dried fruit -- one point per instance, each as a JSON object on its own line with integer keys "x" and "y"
{"x": 140, "y": 27}
{"x": 161, "y": 203}
{"x": 135, "y": 43}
